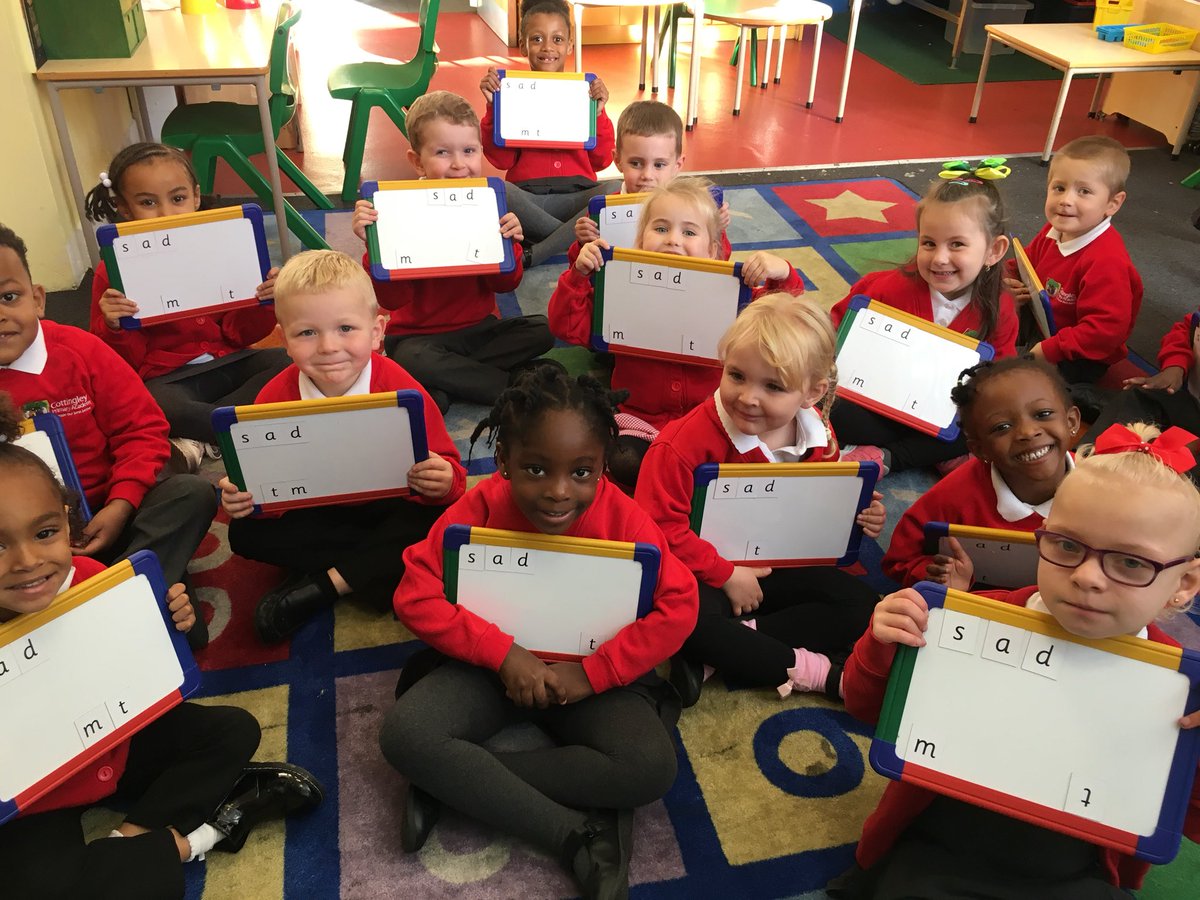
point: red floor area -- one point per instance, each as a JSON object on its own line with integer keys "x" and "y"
{"x": 887, "y": 117}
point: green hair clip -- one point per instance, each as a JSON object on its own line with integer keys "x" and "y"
{"x": 992, "y": 168}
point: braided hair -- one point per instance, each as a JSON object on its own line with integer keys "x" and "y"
{"x": 966, "y": 392}
{"x": 12, "y": 455}
{"x": 101, "y": 202}
{"x": 543, "y": 386}
{"x": 993, "y": 220}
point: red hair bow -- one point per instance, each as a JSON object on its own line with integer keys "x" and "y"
{"x": 1170, "y": 448}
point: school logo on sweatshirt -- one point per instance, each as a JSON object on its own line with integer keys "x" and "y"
{"x": 72, "y": 406}
{"x": 1055, "y": 291}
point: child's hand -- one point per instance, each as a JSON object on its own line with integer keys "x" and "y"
{"x": 432, "y": 477}
{"x": 743, "y": 590}
{"x": 572, "y": 682}
{"x": 527, "y": 680}
{"x": 114, "y": 305}
{"x": 183, "y": 614}
{"x": 590, "y": 258}
{"x": 510, "y": 227}
{"x": 266, "y": 290}
{"x": 955, "y": 570}
{"x": 1191, "y": 720}
{"x": 901, "y": 618}
{"x": 723, "y": 214}
{"x": 586, "y": 230}
{"x": 1036, "y": 352}
{"x": 489, "y": 84}
{"x": 104, "y": 529}
{"x": 871, "y": 520}
{"x": 237, "y": 503}
{"x": 762, "y": 267}
{"x": 599, "y": 93}
{"x": 1017, "y": 290}
{"x": 1169, "y": 379}
{"x": 365, "y": 214}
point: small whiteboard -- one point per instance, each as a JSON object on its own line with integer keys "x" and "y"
{"x": 97, "y": 665}
{"x": 1002, "y": 558}
{"x": 323, "y": 452}
{"x": 177, "y": 267}
{"x": 783, "y": 514}
{"x": 1039, "y": 300}
{"x": 665, "y": 306}
{"x": 549, "y": 110}
{"x": 44, "y": 437}
{"x": 617, "y": 215}
{"x": 559, "y": 597}
{"x": 1005, "y": 709}
{"x": 903, "y": 367}
{"x": 437, "y": 228}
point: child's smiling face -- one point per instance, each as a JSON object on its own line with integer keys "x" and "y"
{"x": 674, "y": 225}
{"x": 330, "y": 335}
{"x": 22, "y": 304}
{"x": 647, "y": 161}
{"x": 156, "y": 187}
{"x": 547, "y": 42}
{"x": 35, "y": 541}
{"x": 448, "y": 150}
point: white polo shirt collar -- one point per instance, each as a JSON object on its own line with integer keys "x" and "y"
{"x": 33, "y": 360}
{"x": 1066, "y": 248}
{"x": 362, "y": 385}
{"x": 1011, "y": 507}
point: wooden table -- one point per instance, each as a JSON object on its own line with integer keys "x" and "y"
{"x": 1073, "y": 49}
{"x": 223, "y": 47}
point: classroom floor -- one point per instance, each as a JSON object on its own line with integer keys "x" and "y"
{"x": 887, "y": 117}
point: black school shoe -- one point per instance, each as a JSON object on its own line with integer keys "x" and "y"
{"x": 283, "y": 610}
{"x": 597, "y": 853}
{"x": 687, "y": 678}
{"x": 421, "y": 813}
{"x": 264, "y": 791}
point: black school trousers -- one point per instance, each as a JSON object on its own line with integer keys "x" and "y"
{"x": 180, "y": 768}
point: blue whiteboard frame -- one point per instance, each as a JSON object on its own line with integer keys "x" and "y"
{"x": 589, "y": 144}
{"x": 51, "y": 425}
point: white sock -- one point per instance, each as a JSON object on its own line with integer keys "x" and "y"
{"x": 202, "y": 840}
{"x": 115, "y": 833}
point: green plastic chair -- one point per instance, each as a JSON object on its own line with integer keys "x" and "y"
{"x": 233, "y": 132}
{"x": 390, "y": 86}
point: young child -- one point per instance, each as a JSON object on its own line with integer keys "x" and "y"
{"x": 186, "y": 778}
{"x": 761, "y": 627}
{"x": 1172, "y": 397}
{"x": 332, "y": 330}
{"x": 1019, "y": 425}
{"x": 953, "y": 281}
{"x": 610, "y": 715}
{"x": 649, "y": 154}
{"x": 1095, "y": 292}
{"x": 679, "y": 217}
{"x": 1118, "y": 551}
{"x": 190, "y": 366}
{"x": 447, "y": 332}
{"x": 552, "y": 187}
{"x": 116, "y": 432}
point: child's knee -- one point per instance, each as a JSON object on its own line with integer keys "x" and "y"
{"x": 401, "y": 739}
{"x": 653, "y": 771}
{"x": 194, "y": 497}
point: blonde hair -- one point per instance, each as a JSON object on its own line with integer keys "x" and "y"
{"x": 794, "y": 336}
{"x": 692, "y": 190}
{"x": 317, "y": 271}
{"x": 428, "y": 108}
{"x": 1108, "y": 155}
{"x": 1139, "y": 470}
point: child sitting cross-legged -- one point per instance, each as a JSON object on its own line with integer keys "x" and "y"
{"x": 1118, "y": 552}
{"x": 332, "y": 330}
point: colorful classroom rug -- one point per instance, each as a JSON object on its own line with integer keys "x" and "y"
{"x": 912, "y": 43}
{"x": 771, "y": 795}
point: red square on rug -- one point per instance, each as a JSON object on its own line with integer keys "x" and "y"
{"x": 860, "y": 206}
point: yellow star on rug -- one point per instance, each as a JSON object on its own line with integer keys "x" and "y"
{"x": 849, "y": 205}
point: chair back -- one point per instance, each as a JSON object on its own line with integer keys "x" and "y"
{"x": 427, "y": 20}
{"x": 283, "y": 89}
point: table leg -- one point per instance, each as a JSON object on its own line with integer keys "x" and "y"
{"x": 737, "y": 96}
{"x": 1058, "y": 111}
{"x": 264, "y": 116}
{"x": 1093, "y": 113}
{"x": 782, "y": 43}
{"x": 766, "y": 72}
{"x": 645, "y": 36}
{"x": 1188, "y": 114}
{"x": 68, "y": 152}
{"x": 855, "y": 12}
{"x": 694, "y": 65}
{"x": 144, "y": 129}
{"x": 577, "y": 12}
{"x": 812, "y": 81}
{"x": 983, "y": 67}
{"x": 654, "y": 48}
{"x": 958, "y": 38}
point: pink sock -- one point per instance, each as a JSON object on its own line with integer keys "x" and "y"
{"x": 808, "y": 674}
{"x": 752, "y": 624}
